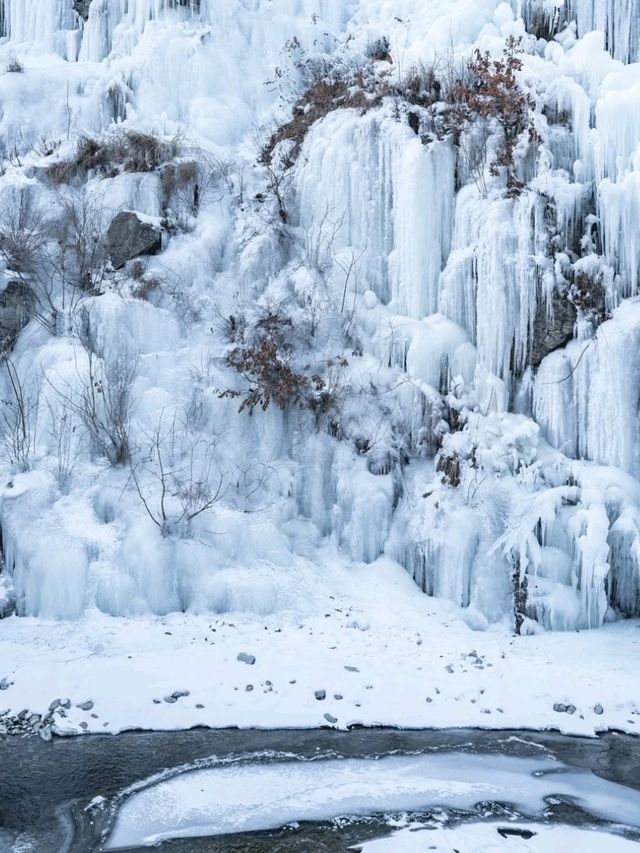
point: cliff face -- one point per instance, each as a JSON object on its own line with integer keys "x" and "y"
{"x": 377, "y": 296}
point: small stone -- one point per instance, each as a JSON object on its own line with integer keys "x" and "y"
{"x": 571, "y": 709}
{"x": 65, "y": 703}
{"x": 559, "y": 707}
{"x": 178, "y": 694}
{"x": 243, "y": 657}
{"x": 85, "y": 706}
{"x": 155, "y": 702}
{"x": 330, "y": 718}
{"x": 449, "y": 668}
{"x": 249, "y": 688}
{"x": 352, "y": 669}
{"x": 170, "y": 699}
{"x": 95, "y": 716}
{"x": 337, "y": 696}
{"x": 598, "y": 709}
{"x": 429, "y": 699}
{"x": 84, "y": 725}
{"x": 320, "y": 695}
{"x": 54, "y": 705}
{"x": 4, "y": 684}
{"x": 45, "y": 733}
{"x": 199, "y": 707}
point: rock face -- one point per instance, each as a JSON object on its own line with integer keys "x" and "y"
{"x": 130, "y": 236}
{"x": 552, "y": 333}
{"x": 16, "y": 309}
{"x": 82, "y": 8}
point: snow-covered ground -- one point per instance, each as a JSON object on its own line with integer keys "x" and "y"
{"x": 381, "y": 653}
{"x": 487, "y": 838}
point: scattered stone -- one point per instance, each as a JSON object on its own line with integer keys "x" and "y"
{"x": 85, "y": 706}
{"x": 95, "y": 716}
{"x": 45, "y": 733}
{"x": 199, "y": 707}
{"x": 564, "y": 709}
{"x": 598, "y": 709}
{"x": 178, "y": 694}
{"x": 320, "y": 695}
{"x": 337, "y": 696}
{"x": 429, "y": 699}
{"x": 155, "y": 702}
{"x": 249, "y": 688}
{"x": 84, "y": 725}
{"x": 243, "y": 657}
{"x": 65, "y": 703}
{"x": 571, "y": 709}
{"x": 330, "y": 718}
{"x": 449, "y": 668}
{"x": 352, "y": 669}
{"x": 54, "y": 705}
{"x": 170, "y": 699}
{"x": 4, "y": 684}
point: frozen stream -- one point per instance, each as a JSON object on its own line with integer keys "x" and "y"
{"x": 321, "y": 790}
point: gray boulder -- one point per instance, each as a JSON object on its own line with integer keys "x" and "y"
{"x": 130, "y": 236}
{"x": 82, "y": 8}
{"x": 16, "y": 309}
{"x": 550, "y": 334}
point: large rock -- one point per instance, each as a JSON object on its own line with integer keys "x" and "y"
{"x": 16, "y": 309}
{"x": 82, "y": 8}
{"x": 552, "y": 333}
{"x": 129, "y": 236}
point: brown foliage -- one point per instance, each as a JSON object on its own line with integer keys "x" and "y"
{"x": 321, "y": 98}
{"x": 122, "y": 151}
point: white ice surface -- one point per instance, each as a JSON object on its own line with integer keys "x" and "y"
{"x": 241, "y": 798}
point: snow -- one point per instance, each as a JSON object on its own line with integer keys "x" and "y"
{"x": 485, "y": 838}
{"x": 232, "y": 799}
{"x": 417, "y": 663}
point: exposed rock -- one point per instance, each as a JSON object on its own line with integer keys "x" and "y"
{"x": 243, "y": 657}
{"x": 16, "y": 309}
{"x": 81, "y": 7}
{"x": 551, "y": 333}
{"x": 65, "y": 703}
{"x": 130, "y": 236}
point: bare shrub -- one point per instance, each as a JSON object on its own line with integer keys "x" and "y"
{"x": 177, "y": 478}
{"x": 65, "y": 445}
{"x": 18, "y": 418}
{"x": 14, "y": 65}
{"x": 100, "y": 399}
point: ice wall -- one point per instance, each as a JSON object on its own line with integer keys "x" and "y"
{"x": 431, "y": 284}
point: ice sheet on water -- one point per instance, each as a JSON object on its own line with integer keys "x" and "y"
{"x": 241, "y": 797}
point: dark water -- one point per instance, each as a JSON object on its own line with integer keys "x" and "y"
{"x": 45, "y": 788}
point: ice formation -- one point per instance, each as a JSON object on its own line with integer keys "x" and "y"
{"x": 472, "y": 343}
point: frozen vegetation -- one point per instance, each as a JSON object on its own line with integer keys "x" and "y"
{"x": 292, "y": 286}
